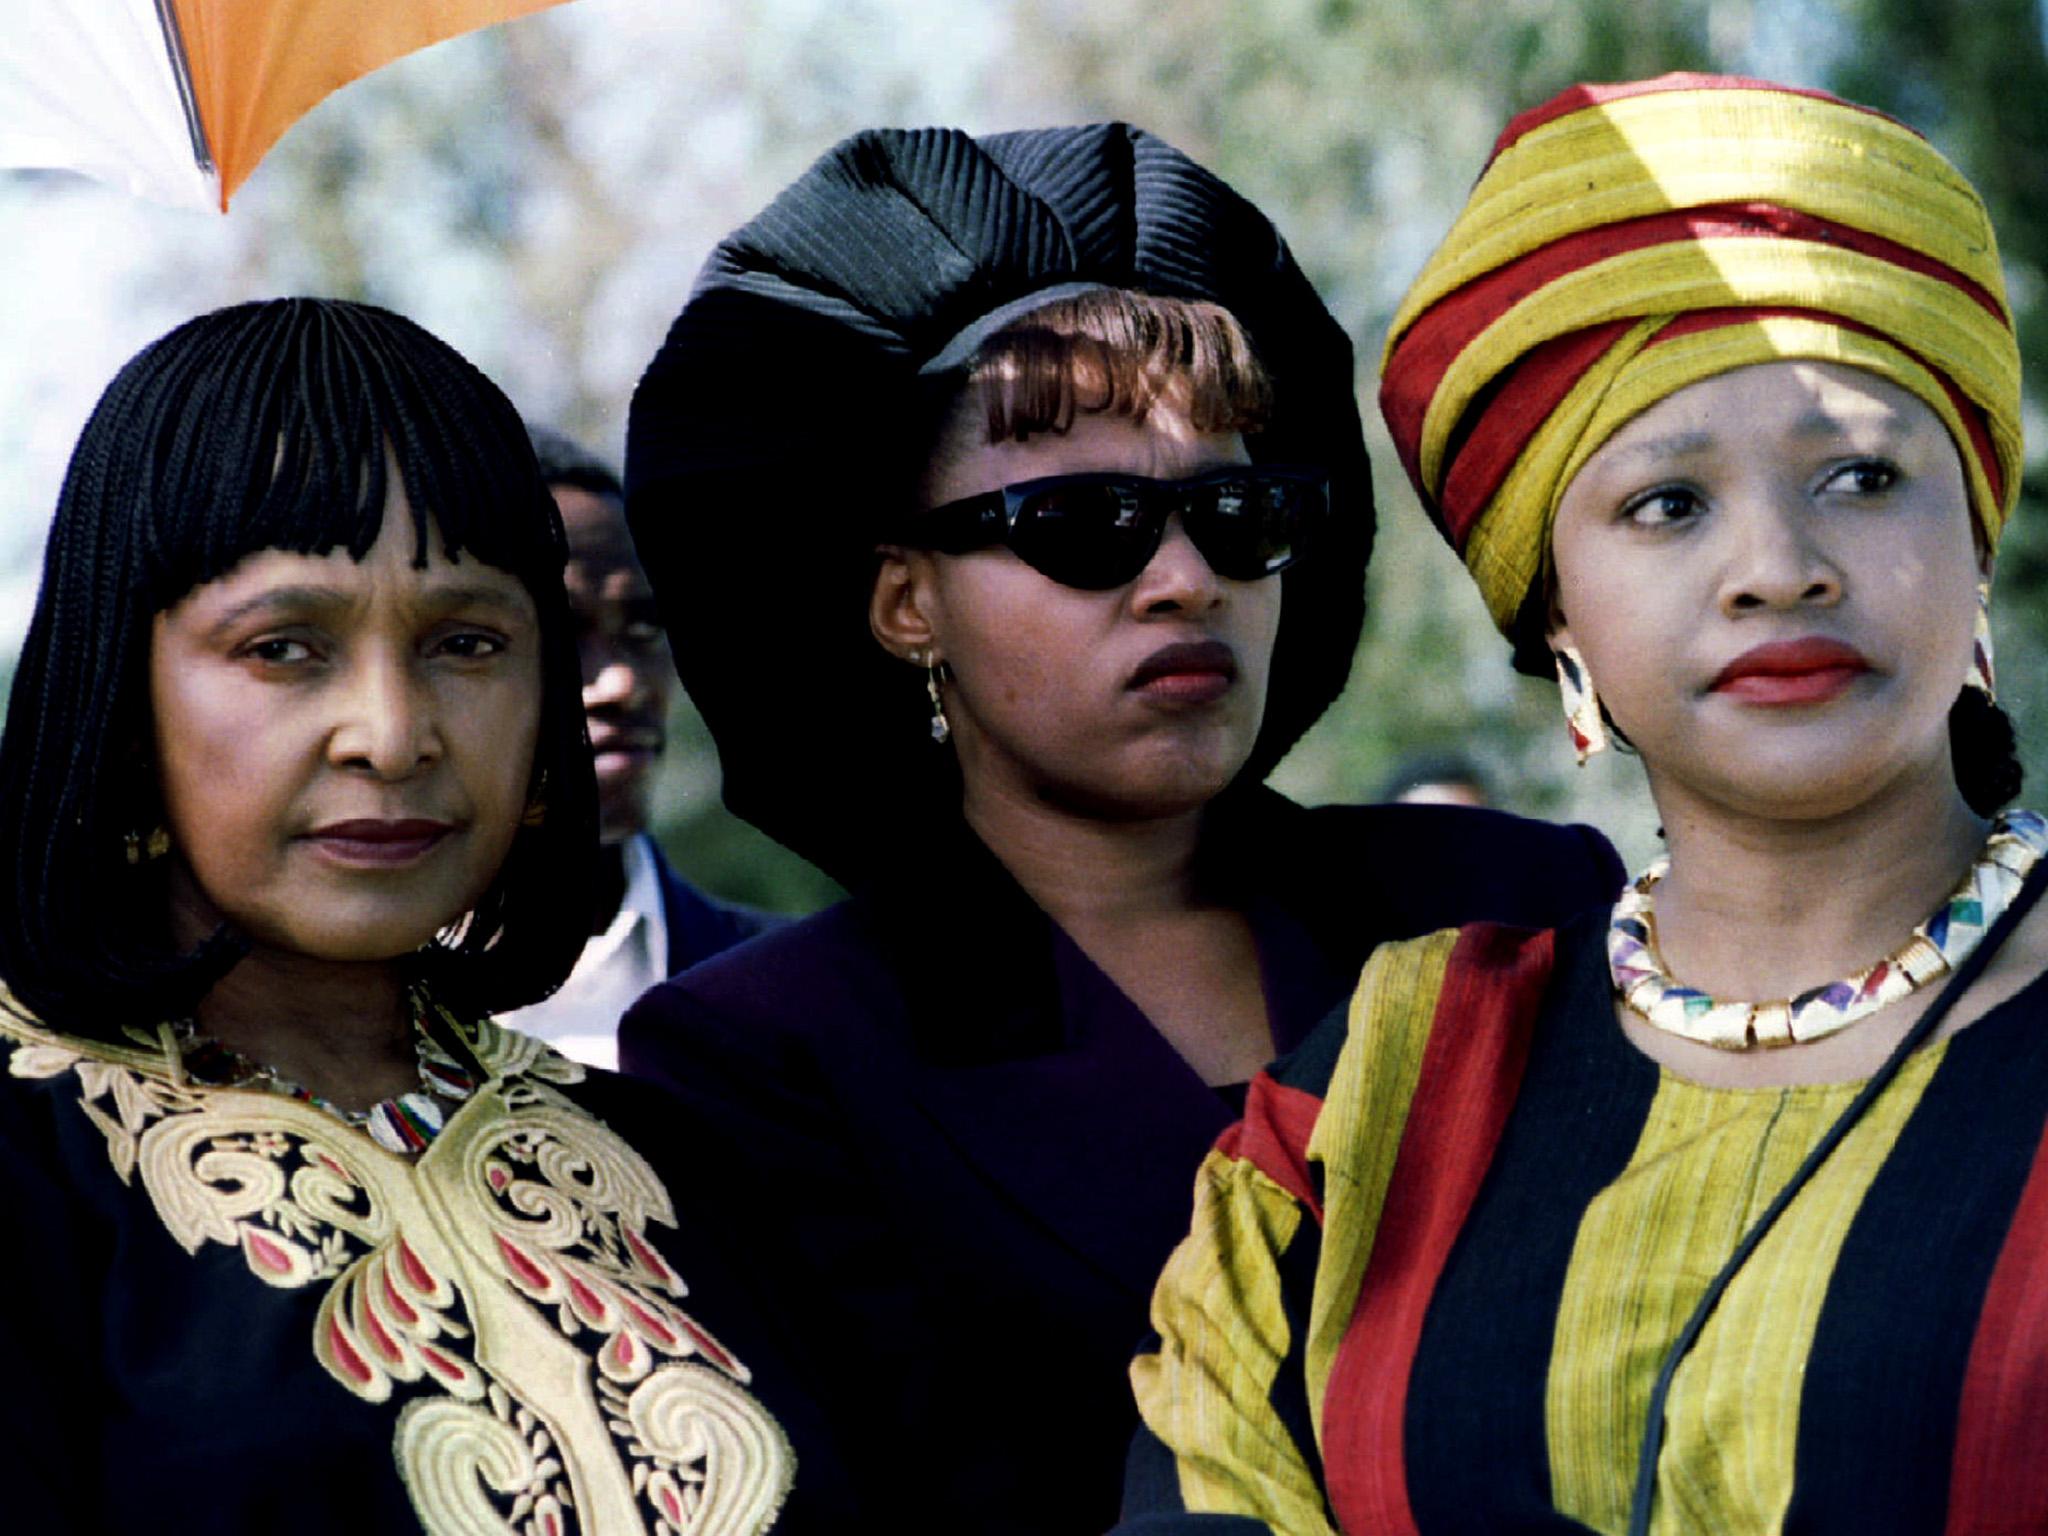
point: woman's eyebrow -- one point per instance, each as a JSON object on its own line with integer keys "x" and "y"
{"x": 477, "y": 595}
{"x": 299, "y": 598}
{"x": 1817, "y": 421}
{"x": 313, "y": 598}
{"x": 1673, "y": 445}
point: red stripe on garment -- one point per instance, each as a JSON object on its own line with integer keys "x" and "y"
{"x": 1581, "y": 98}
{"x": 1998, "y": 1479}
{"x": 1426, "y": 351}
{"x": 1471, "y": 1073}
{"x": 1273, "y": 1137}
{"x": 1528, "y": 393}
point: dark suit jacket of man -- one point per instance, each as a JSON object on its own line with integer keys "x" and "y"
{"x": 699, "y": 926}
{"x": 964, "y": 1153}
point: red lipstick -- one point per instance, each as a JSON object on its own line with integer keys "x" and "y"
{"x": 1191, "y": 672}
{"x": 374, "y": 843}
{"x": 1787, "y": 672}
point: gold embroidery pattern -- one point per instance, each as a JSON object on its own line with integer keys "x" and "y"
{"x": 504, "y": 1279}
{"x": 703, "y": 1458}
{"x": 391, "y": 1318}
{"x": 505, "y": 1052}
{"x": 484, "y": 1468}
{"x": 226, "y": 1171}
{"x": 136, "y": 1099}
{"x": 566, "y": 1222}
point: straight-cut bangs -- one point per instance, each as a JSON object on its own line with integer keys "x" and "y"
{"x": 1117, "y": 352}
{"x": 264, "y": 426}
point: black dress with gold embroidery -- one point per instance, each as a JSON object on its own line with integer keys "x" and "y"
{"x": 224, "y": 1310}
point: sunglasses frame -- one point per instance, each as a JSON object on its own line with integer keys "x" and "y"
{"x": 991, "y": 517}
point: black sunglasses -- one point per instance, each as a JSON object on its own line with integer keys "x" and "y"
{"x": 1098, "y": 531}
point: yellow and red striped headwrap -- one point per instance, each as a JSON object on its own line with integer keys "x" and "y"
{"x": 1628, "y": 240}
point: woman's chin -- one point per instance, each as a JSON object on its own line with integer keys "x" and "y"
{"x": 1834, "y": 780}
{"x": 372, "y": 941}
{"x": 1158, "y": 789}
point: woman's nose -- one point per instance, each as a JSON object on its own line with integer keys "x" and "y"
{"x": 1776, "y": 558}
{"x": 1177, "y": 579}
{"x": 387, "y": 722}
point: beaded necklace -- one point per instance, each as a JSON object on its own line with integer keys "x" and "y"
{"x": 404, "y": 1124}
{"x": 2017, "y": 841}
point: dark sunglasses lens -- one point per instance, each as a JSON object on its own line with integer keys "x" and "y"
{"x": 1253, "y": 525}
{"x": 1089, "y": 535}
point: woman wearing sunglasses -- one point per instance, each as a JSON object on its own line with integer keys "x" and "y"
{"x": 297, "y": 793}
{"x": 1726, "y": 1210}
{"x": 1007, "y": 503}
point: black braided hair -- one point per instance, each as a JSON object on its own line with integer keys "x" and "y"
{"x": 263, "y": 426}
{"x": 1986, "y": 757}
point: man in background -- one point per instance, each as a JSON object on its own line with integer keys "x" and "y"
{"x": 649, "y": 922}
{"x": 1437, "y": 778}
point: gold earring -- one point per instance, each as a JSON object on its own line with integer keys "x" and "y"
{"x": 1983, "y": 676}
{"x": 145, "y": 847}
{"x": 1581, "y": 703}
{"x": 942, "y": 728}
{"x": 536, "y": 812}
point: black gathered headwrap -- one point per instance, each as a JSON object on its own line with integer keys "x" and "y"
{"x": 779, "y": 430}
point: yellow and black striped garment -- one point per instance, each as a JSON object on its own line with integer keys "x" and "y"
{"x": 1434, "y": 1272}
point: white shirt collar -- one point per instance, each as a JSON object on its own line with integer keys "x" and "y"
{"x": 616, "y": 966}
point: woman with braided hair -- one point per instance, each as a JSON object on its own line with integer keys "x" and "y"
{"x": 1725, "y": 1210}
{"x": 298, "y": 793}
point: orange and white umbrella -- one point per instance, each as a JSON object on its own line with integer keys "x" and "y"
{"x": 177, "y": 100}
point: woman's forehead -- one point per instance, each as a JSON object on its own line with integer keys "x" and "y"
{"x": 397, "y": 567}
{"x": 1750, "y": 409}
{"x": 1163, "y": 444}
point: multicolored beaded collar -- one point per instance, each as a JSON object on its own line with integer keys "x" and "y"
{"x": 404, "y": 1125}
{"x": 2017, "y": 841}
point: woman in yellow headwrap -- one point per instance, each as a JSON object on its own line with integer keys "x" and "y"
{"x": 1728, "y": 1210}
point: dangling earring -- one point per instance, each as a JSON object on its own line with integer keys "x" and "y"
{"x": 942, "y": 728}
{"x": 1982, "y": 676}
{"x": 1581, "y": 703}
{"x": 143, "y": 847}
{"x": 536, "y": 812}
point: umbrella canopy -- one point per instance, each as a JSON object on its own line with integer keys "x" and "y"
{"x": 177, "y": 100}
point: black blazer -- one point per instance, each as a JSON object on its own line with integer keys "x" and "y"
{"x": 965, "y": 1153}
{"x": 699, "y": 926}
